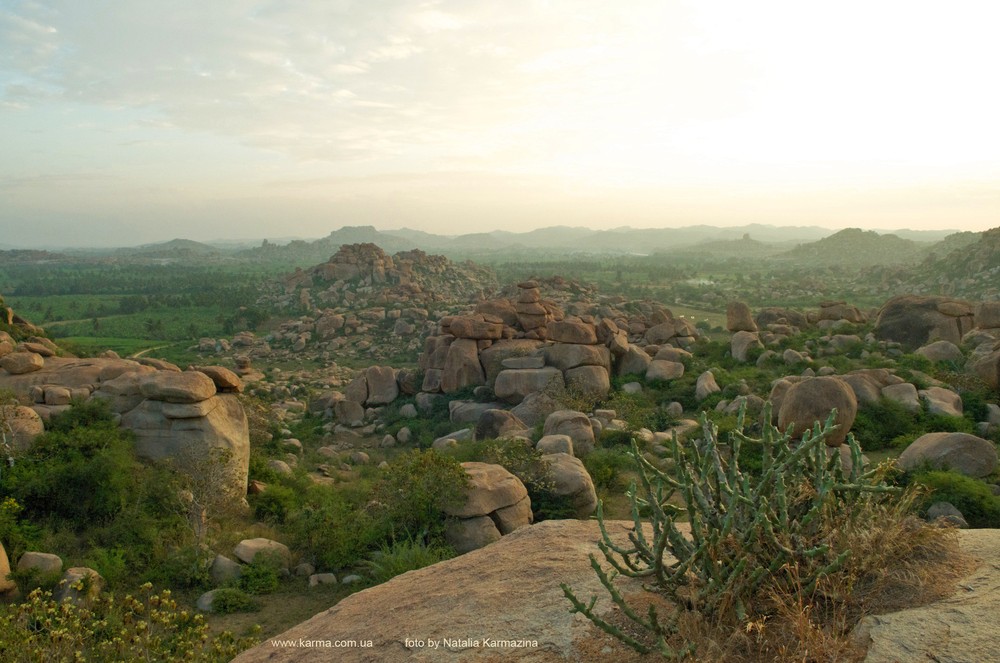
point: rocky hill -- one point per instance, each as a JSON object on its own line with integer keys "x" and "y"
{"x": 365, "y": 302}
{"x": 857, "y": 248}
{"x": 970, "y": 269}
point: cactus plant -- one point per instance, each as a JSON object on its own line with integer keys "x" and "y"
{"x": 747, "y": 531}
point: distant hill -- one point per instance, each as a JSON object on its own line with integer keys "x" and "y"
{"x": 28, "y": 255}
{"x": 181, "y": 246}
{"x": 302, "y": 252}
{"x": 971, "y": 269}
{"x": 759, "y": 241}
{"x": 745, "y": 247}
{"x": 856, "y": 248}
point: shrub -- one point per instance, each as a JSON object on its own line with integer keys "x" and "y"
{"x": 185, "y": 567}
{"x": 605, "y": 467}
{"x": 877, "y": 424}
{"x": 28, "y": 580}
{"x": 110, "y": 563}
{"x": 615, "y": 438}
{"x": 16, "y": 533}
{"x": 134, "y": 628}
{"x": 261, "y": 576}
{"x": 92, "y": 414}
{"x": 81, "y": 476}
{"x": 404, "y": 555}
{"x": 332, "y": 528}
{"x": 228, "y": 600}
{"x": 410, "y": 497}
{"x": 275, "y": 503}
{"x": 805, "y": 532}
{"x": 973, "y": 498}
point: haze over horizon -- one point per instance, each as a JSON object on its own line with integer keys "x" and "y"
{"x": 141, "y": 122}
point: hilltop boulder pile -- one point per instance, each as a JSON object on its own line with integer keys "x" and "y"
{"x": 526, "y": 344}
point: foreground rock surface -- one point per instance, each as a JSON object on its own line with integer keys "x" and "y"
{"x": 961, "y": 627}
{"x": 458, "y": 599}
{"x": 507, "y": 591}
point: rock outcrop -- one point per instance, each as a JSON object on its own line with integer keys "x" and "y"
{"x": 496, "y": 504}
{"x": 183, "y": 416}
{"x": 913, "y": 320}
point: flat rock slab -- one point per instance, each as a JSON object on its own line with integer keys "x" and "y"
{"x": 508, "y": 590}
{"x": 176, "y": 387}
{"x": 959, "y": 629}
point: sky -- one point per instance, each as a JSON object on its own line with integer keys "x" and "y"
{"x": 132, "y": 121}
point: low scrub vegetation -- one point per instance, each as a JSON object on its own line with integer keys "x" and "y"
{"x": 147, "y": 626}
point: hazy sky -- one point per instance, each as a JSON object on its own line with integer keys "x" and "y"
{"x": 131, "y": 121}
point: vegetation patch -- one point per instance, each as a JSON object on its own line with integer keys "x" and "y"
{"x": 792, "y": 557}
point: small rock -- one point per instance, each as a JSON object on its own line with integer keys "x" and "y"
{"x": 317, "y": 579}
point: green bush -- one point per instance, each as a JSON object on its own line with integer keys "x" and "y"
{"x": 185, "y": 567}
{"x": 410, "y": 497}
{"x": 109, "y": 562}
{"x": 261, "y": 576}
{"x": 28, "y": 580}
{"x": 526, "y": 463}
{"x": 82, "y": 487}
{"x": 228, "y": 600}
{"x": 974, "y": 405}
{"x": 972, "y": 497}
{"x": 605, "y": 467}
{"x": 615, "y": 438}
{"x": 332, "y": 528}
{"x": 878, "y": 424}
{"x": 275, "y": 503}
{"x": 402, "y": 556}
{"x": 17, "y": 534}
{"x": 91, "y": 414}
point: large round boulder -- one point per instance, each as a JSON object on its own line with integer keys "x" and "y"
{"x": 940, "y": 351}
{"x": 247, "y": 551}
{"x": 177, "y": 387}
{"x": 5, "y": 584}
{"x": 812, "y": 400}
{"x": 496, "y": 503}
{"x": 23, "y": 422}
{"x": 972, "y": 456}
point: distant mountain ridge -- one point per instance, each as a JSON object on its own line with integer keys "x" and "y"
{"x": 542, "y": 241}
